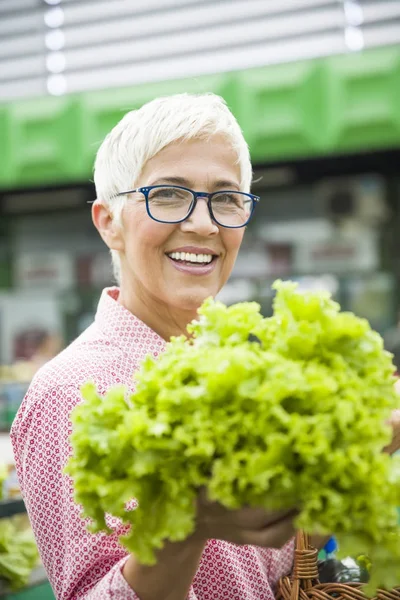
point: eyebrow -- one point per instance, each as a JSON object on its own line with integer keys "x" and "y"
{"x": 220, "y": 183}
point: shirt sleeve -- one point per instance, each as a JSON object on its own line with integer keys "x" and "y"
{"x": 280, "y": 563}
{"x": 79, "y": 565}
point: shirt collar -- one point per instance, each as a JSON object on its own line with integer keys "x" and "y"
{"x": 121, "y": 328}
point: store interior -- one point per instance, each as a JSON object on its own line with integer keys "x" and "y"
{"x": 327, "y": 223}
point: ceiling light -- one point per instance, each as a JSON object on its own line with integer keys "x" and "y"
{"x": 56, "y": 85}
{"x": 354, "y": 39}
{"x": 54, "y": 17}
{"x": 55, "y": 39}
{"x": 55, "y": 62}
{"x": 353, "y": 13}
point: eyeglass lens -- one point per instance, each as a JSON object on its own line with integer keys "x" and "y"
{"x": 171, "y": 204}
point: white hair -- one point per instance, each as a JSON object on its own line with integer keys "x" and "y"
{"x": 142, "y": 133}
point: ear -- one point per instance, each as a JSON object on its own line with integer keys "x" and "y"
{"x": 110, "y": 231}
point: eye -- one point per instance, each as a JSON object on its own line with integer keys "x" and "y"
{"x": 229, "y": 199}
{"x": 168, "y": 193}
{"x": 161, "y": 193}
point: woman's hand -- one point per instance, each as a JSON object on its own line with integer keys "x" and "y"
{"x": 394, "y": 422}
{"x": 177, "y": 562}
{"x": 245, "y": 526}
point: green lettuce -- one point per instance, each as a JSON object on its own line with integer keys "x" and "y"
{"x": 3, "y": 477}
{"x": 273, "y": 412}
{"x": 18, "y": 553}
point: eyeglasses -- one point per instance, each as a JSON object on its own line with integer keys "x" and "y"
{"x": 174, "y": 204}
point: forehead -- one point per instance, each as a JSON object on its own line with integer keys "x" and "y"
{"x": 198, "y": 158}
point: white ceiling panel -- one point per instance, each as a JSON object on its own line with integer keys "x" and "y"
{"x": 206, "y": 63}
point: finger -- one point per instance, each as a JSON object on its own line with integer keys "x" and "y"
{"x": 273, "y": 536}
{"x": 202, "y": 496}
{"x": 204, "y": 502}
{"x": 394, "y": 418}
{"x": 248, "y": 517}
{"x": 394, "y": 422}
{"x": 210, "y": 509}
{"x": 255, "y": 519}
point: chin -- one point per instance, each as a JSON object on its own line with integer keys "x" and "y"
{"x": 192, "y": 300}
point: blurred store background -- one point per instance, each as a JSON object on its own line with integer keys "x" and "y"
{"x": 315, "y": 85}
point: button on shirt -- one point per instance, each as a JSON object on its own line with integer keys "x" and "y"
{"x": 79, "y": 564}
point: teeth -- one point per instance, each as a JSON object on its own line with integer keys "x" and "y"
{"x": 190, "y": 257}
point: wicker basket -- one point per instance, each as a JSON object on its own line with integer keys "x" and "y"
{"x": 303, "y": 584}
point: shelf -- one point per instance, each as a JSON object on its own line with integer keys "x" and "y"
{"x": 38, "y": 577}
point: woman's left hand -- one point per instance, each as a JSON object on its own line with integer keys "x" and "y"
{"x": 394, "y": 422}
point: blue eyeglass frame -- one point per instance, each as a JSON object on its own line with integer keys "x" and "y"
{"x": 146, "y": 190}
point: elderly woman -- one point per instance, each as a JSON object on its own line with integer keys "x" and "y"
{"x": 173, "y": 181}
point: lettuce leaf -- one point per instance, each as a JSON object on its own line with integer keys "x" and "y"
{"x": 18, "y": 553}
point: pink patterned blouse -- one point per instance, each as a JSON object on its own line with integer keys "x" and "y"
{"x": 80, "y": 565}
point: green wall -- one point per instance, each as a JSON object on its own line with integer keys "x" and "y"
{"x": 338, "y": 104}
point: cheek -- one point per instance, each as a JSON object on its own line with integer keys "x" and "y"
{"x": 143, "y": 236}
{"x": 232, "y": 241}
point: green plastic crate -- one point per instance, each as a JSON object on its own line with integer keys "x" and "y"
{"x": 37, "y": 592}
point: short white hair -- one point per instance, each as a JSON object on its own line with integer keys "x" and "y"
{"x": 142, "y": 133}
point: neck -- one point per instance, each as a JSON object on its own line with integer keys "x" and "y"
{"x": 162, "y": 319}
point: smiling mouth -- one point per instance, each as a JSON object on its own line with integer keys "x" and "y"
{"x": 190, "y": 258}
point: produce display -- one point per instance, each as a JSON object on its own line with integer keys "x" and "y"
{"x": 3, "y": 477}
{"x": 18, "y": 552}
{"x": 276, "y": 412}
{"x": 14, "y": 381}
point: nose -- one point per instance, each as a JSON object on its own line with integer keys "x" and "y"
{"x": 200, "y": 220}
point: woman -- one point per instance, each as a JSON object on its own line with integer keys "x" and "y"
{"x": 170, "y": 250}
{"x": 172, "y": 182}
